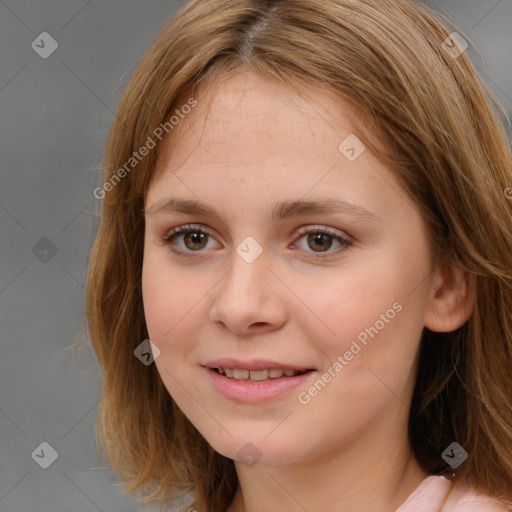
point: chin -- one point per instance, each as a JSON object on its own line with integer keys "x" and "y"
{"x": 258, "y": 450}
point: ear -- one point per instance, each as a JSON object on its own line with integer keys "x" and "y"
{"x": 452, "y": 298}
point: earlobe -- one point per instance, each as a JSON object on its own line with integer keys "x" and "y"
{"x": 452, "y": 299}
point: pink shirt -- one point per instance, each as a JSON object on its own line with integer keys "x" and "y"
{"x": 431, "y": 496}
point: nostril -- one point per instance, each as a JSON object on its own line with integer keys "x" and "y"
{"x": 259, "y": 324}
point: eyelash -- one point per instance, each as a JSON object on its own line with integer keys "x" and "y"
{"x": 169, "y": 237}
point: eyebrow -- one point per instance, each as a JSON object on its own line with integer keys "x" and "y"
{"x": 279, "y": 210}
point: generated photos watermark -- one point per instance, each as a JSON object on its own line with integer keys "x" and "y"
{"x": 454, "y": 455}
{"x": 138, "y": 156}
{"x": 249, "y": 454}
{"x": 305, "y": 397}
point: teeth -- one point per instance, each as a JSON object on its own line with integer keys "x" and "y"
{"x": 240, "y": 374}
{"x": 256, "y": 375}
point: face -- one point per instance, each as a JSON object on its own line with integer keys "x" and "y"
{"x": 259, "y": 279}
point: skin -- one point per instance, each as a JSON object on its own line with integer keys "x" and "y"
{"x": 347, "y": 449}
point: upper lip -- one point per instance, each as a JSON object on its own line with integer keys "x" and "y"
{"x": 254, "y": 364}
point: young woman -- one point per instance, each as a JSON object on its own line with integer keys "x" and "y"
{"x": 306, "y": 207}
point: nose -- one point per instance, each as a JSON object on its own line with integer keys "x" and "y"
{"x": 250, "y": 299}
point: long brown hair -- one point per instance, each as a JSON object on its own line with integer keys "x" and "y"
{"x": 442, "y": 136}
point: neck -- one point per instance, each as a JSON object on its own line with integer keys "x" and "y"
{"x": 364, "y": 474}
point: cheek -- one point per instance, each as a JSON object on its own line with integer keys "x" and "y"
{"x": 370, "y": 316}
{"x": 167, "y": 295}
{"x": 177, "y": 300}
{"x": 345, "y": 304}
{"x": 169, "y": 298}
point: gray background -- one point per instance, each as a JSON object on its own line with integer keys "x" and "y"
{"x": 54, "y": 116}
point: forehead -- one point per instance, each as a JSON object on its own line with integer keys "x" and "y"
{"x": 247, "y": 118}
{"x": 251, "y": 143}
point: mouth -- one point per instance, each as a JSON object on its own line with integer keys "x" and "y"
{"x": 258, "y": 375}
{"x": 254, "y": 382}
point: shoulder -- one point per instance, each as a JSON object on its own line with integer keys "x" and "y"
{"x": 435, "y": 494}
{"x": 428, "y": 496}
{"x": 468, "y": 499}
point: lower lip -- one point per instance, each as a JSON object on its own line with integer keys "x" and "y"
{"x": 254, "y": 392}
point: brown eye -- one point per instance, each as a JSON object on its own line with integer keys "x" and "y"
{"x": 195, "y": 240}
{"x": 184, "y": 240}
{"x": 320, "y": 240}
